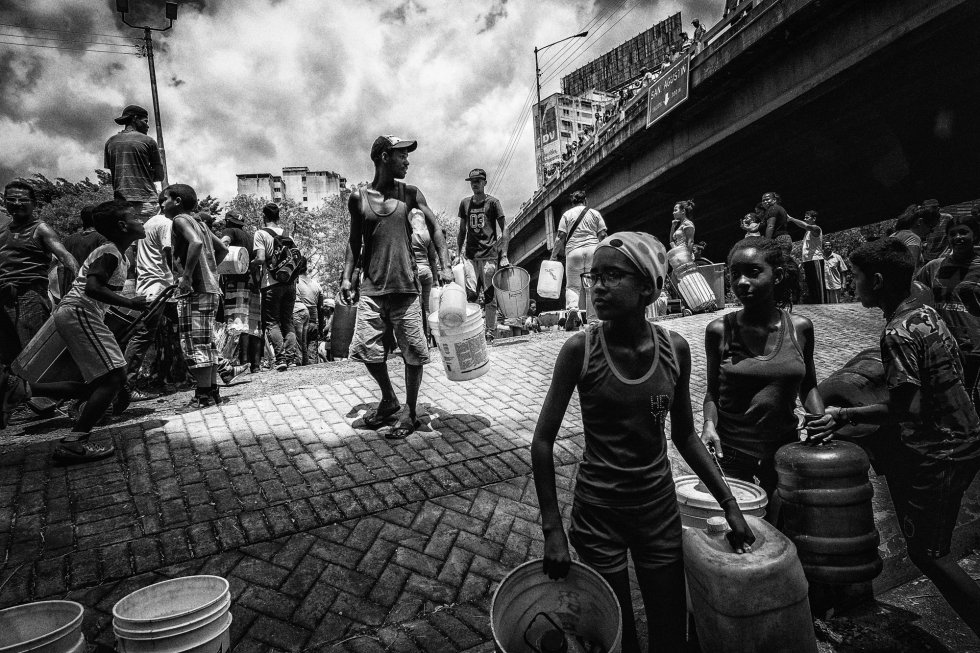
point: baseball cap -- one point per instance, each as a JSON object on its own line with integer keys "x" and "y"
{"x": 477, "y": 173}
{"x": 131, "y": 111}
{"x": 389, "y": 142}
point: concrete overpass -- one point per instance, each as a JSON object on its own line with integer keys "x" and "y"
{"x": 850, "y": 107}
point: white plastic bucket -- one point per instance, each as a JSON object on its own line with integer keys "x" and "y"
{"x": 582, "y": 604}
{"x": 696, "y": 504}
{"x": 42, "y": 627}
{"x": 198, "y": 620}
{"x": 170, "y": 603}
{"x": 452, "y": 306}
{"x": 209, "y": 637}
{"x": 511, "y": 289}
{"x": 549, "y": 279}
{"x": 463, "y": 349}
{"x": 236, "y": 261}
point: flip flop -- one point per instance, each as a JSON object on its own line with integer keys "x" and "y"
{"x": 376, "y": 418}
{"x": 81, "y": 451}
{"x": 402, "y": 430}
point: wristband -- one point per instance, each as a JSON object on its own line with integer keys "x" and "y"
{"x": 847, "y": 416}
{"x": 724, "y": 501}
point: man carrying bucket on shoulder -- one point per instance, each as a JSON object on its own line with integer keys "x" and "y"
{"x": 380, "y": 244}
{"x": 484, "y": 239}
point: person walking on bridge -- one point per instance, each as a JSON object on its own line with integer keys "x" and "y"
{"x": 381, "y": 245}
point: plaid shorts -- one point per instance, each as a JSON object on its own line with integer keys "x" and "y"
{"x": 195, "y": 327}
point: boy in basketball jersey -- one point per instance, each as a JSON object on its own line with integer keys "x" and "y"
{"x": 483, "y": 238}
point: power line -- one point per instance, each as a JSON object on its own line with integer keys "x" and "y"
{"x": 63, "y": 31}
{"x": 576, "y": 51}
{"x": 59, "y": 47}
{"x": 49, "y": 38}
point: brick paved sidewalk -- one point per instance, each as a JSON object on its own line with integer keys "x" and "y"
{"x": 333, "y": 538}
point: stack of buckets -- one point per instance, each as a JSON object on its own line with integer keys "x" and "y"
{"x": 188, "y": 614}
{"x": 42, "y": 627}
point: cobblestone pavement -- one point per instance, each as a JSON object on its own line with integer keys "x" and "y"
{"x": 333, "y": 538}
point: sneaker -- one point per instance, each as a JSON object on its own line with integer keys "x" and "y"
{"x": 142, "y": 395}
{"x": 281, "y": 367}
{"x": 232, "y": 372}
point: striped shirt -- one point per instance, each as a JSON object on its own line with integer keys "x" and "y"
{"x": 133, "y": 158}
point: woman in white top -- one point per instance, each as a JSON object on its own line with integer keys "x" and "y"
{"x": 579, "y": 231}
{"x": 682, "y": 226}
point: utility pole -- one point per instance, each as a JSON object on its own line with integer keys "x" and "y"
{"x": 122, "y": 6}
{"x": 537, "y": 107}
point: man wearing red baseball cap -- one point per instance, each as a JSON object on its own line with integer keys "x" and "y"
{"x": 380, "y": 244}
{"x": 134, "y": 163}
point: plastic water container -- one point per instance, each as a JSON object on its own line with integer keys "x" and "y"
{"x": 236, "y": 261}
{"x": 697, "y": 505}
{"x": 582, "y": 605}
{"x": 694, "y": 289}
{"x": 749, "y": 602}
{"x": 511, "y": 289}
{"x": 549, "y": 279}
{"x": 42, "y": 627}
{"x": 452, "y": 306}
{"x": 714, "y": 275}
{"x": 459, "y": 273}
{"x": 826, "y": 510}
{"x": 464, "y": 348}
{"x": 342, "y": 329}
{"x": 434, "y": 296}
{"x": 185, "y": 615}
{"x": 678, "y": 256}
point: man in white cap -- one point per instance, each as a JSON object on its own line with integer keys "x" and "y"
{"x": 380, "y": 244}
{"x": 134, "y": 162}
{"x": 483, "y": 239}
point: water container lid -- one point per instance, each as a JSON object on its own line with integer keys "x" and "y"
{"x": 717, "y": 525}
{"x": 692, "y": 492}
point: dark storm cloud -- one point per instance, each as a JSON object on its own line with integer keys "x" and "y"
{"x": 61, "y": 119}
{"x": 496, "y": 13}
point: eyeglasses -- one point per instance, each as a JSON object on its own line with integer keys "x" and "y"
{"x": 609, "y": 278}
{"x": 16, "y": 201}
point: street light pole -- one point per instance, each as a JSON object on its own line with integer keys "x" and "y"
{"x": 537, "y": 85}
{"x": 122, "y": 6}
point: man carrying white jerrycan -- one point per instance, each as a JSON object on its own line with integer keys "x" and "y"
{"x": 483, "y": 239}
{"x": 380, "y": 244}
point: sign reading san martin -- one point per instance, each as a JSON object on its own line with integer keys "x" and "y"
{"x": 669, "y": 90}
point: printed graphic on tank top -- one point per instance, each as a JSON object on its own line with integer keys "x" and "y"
{"x": 625, "y": 459}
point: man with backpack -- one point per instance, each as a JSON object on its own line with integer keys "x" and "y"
{"x": 276, "y": 259}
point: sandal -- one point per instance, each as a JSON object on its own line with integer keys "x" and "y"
{"x": 377, "y": 418}
{"x": 82, "y": 451}
{"x": 403, "y": 429}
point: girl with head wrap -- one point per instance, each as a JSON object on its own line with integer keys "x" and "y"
{"x": 630, "y": 375}
{"x": 759, "y": 360}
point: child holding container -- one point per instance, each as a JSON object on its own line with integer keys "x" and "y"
{"x": 630, "y": 374}
{"x": 759, "y": 360}
{"x": 937, "y": 452}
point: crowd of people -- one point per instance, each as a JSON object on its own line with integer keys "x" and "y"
{"x": 163, "y": 260}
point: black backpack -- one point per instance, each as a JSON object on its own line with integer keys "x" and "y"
{"x": 285, "y": 259}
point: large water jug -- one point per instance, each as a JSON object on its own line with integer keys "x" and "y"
{"x": 754, "y": 602}
{"x": 825, "y": 508}
{"x": 434, "y": 296}
{"x": 549, "y": 279}
{"x": 459, "y": 273}
{"x": 452, "y": 305}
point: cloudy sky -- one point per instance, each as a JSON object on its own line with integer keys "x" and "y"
{"x": 255, "y": 85}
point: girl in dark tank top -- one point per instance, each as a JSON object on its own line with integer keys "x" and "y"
{"x": 630, "y": 375}
{"x": 759, "y": 361}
